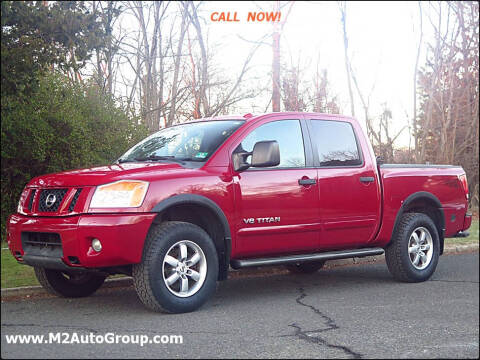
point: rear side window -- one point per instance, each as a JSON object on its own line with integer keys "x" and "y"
{"x": 336, "y": 143}
{"x": 287, "y": 133}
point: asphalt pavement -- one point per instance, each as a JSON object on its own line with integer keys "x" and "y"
{"x": 346, "y": 312}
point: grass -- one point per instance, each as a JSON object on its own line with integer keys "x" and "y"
{"x": 472, "y": 238}
{"x": 14, "y": 274}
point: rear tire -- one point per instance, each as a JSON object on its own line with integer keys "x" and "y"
{"x": 305, "y": 268}
{"x": 412, "y": 255}
{"x": 179, "y": 268}
{"x": 72, "y": 285}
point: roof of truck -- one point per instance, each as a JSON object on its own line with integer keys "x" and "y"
{"x": 250, "y": 116}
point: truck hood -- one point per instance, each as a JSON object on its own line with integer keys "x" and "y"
{"x": 104, "y": 174}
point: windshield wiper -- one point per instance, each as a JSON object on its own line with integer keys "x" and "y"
{"x": 157, "y": 157}
{"x": 191, "y": 159}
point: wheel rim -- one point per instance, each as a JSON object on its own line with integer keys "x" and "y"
{"x": 420, "y": 248}
{"x": 184, "y": 268}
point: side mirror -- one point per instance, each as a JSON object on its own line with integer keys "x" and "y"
{"x": 264, "y": 154}
{"x": 380, "y": 160}
{"x": 240, "y": 160}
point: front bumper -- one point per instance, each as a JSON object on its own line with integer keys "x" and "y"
{"x": 122, "y": 237}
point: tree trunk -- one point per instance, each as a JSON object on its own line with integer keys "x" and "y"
{"x": 276, "y": 66}
{"x": 343, "y": 10}
{"x": 178, "y": 57}
{"x": 414, "y": 120}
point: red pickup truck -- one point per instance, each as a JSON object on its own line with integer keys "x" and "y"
{"x": 182, "y": 206}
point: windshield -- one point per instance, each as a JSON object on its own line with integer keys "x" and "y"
{"x": 186, "y": 142}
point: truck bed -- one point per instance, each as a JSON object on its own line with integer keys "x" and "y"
{"x": 440, "y": 183}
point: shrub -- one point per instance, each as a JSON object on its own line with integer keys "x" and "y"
{"x": 62, "y": 125}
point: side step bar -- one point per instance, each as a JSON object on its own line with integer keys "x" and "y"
{"x": 332, "y": 255}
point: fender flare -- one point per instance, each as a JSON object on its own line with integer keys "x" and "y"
{"x": 193, "y": 199}
{"x": 438, "y": 205}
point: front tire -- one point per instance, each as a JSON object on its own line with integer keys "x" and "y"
{"x": 179, "y": 268}
{"x": 412, "y": 255}
{"x": 72, "y": 285}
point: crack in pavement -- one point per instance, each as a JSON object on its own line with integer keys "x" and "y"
{"x": 318, "y": 340}
{"x": 328, "y": 321}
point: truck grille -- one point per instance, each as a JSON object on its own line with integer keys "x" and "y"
{"x": 50, "y": 199}
{"x": 55, "y": 201}
{"x": 30, "y": 202}
{"x": 74, "y": 200}
{"x": 42, "y": 243}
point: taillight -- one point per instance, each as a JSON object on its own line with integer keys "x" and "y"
{"x": 463, "y": 180}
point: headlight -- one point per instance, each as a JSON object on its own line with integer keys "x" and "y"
{"x": 21, "y": 201}
{"x": 119, "y": 194}
{"x": 19, "y": 207}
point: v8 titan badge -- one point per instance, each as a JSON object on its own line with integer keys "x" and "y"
{"x": 262, "y": 220}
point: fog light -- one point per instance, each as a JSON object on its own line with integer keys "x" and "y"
{"x": 96, "y": 245}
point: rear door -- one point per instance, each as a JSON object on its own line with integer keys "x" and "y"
{"x": 349, "y": 189}
{"x": 277, "y": 207}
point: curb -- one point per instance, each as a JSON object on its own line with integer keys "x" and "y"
{"x": 452, "y": 248}
{"x": 29, "y": 291}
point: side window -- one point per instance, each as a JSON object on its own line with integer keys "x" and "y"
{"x": 287, "y": 133}
{"x": 336, "y": 143}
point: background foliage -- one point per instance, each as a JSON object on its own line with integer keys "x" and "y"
{"x": 36, "y": 37}
{"x": 50, "y": 120}
{"x": 61, "y": 125}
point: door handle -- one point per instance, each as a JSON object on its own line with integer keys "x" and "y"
{"x": 367, "y": 179}
{"x": 307, "y": 182}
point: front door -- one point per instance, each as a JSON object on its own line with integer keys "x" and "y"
{"x": 277, "y": 207}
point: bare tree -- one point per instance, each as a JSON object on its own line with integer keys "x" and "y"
{"x": 448, "y": 123}
{"x": 343, "y": 12}
{"x": 414, "y": 118}
{"x": 178, "y": 58}
{"x": 380, "y": 133}
{"x": 277, "y": 29}
{"x": 374, "y": 136}
{"x": 212, "y": 92}
{"x": 276, "y": 63}
{"x": 106, "y": 65}
{"x": 299, "y": 94}
{"x": 202, "y": 91}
